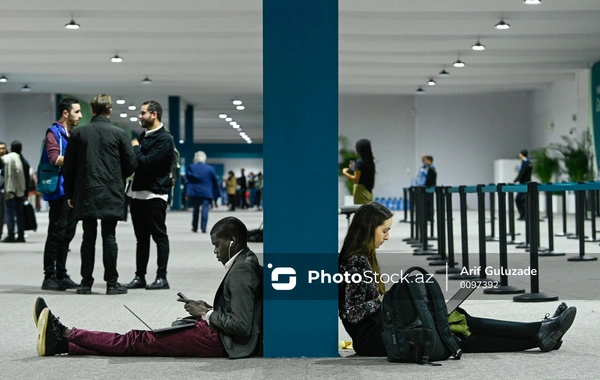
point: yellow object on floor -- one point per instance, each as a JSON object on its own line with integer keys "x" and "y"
{"x": 345, "y": 345}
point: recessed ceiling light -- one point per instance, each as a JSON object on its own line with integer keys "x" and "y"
{"x": 444, "y": 73}
{"x": 222, "y": 116}
{"x": 181, "y": 141}
{"x": 120, "y": 101}
{"x": 133, "y": 118}
{"x": 249, "y": 141}
{"x": 131, "y": 107}
{"x": 240, "y": 108}
{"x": 123, "y": 115}
{"x": 431, "y": 82}
{"x": 25, "y": 88}
{"x": 232, "y": 123}
{"x": 146, "y": 81}
{"x": 237, "y": 126}
{"x": 532, "y": 2}
{"x": 459, "y": 63}
{"x": 501, "y": 25}
{"x": 478, "y": 46}
{"x": 237, "y": 102}
{"x": 228, "y": 119}
{"x": 3, "y": 79}
{"x": 116, "y": 59}
{"x": 72, "y": 25}
{"x": 420, "y": 90}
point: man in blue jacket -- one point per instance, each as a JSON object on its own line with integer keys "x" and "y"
{"x": 61, "y": 218}
{"x": 201, "y": 187}
{"x": 149, "y": 193}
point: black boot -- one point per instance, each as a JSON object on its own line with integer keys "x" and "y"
{"x": 552, "y": 329}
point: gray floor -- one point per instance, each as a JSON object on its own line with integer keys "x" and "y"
{"x": 194, "y": 271}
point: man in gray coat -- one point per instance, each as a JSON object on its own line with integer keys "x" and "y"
{"x": 97, "y": 161}
{"x": 233, "y": 327}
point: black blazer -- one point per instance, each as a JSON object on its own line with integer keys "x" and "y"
{"x": 524, "y": 175}
{"x": 238, "y": 306}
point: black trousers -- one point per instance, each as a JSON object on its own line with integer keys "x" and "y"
{"x": 109, "y": 251}
{"x": 148, "y": 217}
{"x": 232, "y": 201}
{"x": 520, "y": 202}
{"x": 61, "y": 230}
{"x": 493, "y": 335}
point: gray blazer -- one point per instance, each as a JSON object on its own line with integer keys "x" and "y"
{"x": 238, "y": 307}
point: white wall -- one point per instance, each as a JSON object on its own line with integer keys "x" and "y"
{"x": 25, "y": 117}
{"x": 389, "y": 122}
{"x": 466, "y": 133}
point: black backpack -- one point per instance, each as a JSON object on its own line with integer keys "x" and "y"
{"x": 256, "y": 236}
{"x": 415, "y": 321}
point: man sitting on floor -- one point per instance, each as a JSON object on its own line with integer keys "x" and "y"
{"x": 232, "y": 328}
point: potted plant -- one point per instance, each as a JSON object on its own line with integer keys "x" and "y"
{"x": 346, "y": 156}
{"x": 544, "y": 166}
{"x": 576, "y": 155}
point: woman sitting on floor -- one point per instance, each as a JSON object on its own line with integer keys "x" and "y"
{"x": 360, "y": 303}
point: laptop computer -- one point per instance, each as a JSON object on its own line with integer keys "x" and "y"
{"x": 458, "y": 298}
{"x": 163, "y": 329}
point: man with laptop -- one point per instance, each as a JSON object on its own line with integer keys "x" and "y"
{"x": 231, "y": 327}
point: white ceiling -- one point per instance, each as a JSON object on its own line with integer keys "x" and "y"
{"x": 210, "y": 51}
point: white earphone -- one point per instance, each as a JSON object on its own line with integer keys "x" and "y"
{"x": 231, "y": 243}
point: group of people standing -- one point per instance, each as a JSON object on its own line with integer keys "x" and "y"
{"x": 238, "y": 187}
{"x": 95, "y": 160}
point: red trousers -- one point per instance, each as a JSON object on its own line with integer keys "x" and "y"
{"x": 197, "y": 341}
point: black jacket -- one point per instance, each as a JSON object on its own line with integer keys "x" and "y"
{"x": 98, "y": 159}
{"x": 524, "y": 175}
{"x": 155, "y": 158}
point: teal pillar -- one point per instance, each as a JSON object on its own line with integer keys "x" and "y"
{"x": 174, "y": 125}
{"x": 300, "y": 96}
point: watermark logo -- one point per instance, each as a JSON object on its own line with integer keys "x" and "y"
{"x": 282, "y": 271}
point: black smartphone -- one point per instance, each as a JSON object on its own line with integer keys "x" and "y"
{"x": 180, "y": 295}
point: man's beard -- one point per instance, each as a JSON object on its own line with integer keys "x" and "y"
{"x": 146, "y": 124}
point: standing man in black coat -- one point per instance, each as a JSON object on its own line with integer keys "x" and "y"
{"x": 524, "y": 176}
{"x": 98, "y": 159}
{"x": 154, "y": 150}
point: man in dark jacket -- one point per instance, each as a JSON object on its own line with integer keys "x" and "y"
{"x": 524, "y": 176}
{"x": 98, "y": 159}
{"x": 154, "y": 150}
{"x": 231, "y": 327}
{"x": 202, "y": 188}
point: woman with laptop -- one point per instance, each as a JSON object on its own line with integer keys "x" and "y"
{"x": 360, "y": 302}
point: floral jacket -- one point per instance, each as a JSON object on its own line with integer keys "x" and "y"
{"x": 359, "y": 301}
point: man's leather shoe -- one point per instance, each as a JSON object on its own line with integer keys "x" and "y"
{"x": 159, "y": 283}
{"x": 84, "y": 290}
{"x": 38, "y": 306}
{"x": 552, "y": 329}
{"x": 136, "y": 283}
{"x": 116, "y": 289}
{"x": 8, "y": 239}
{"x": 51, "y": 284}
{"x": 68, "y": 283}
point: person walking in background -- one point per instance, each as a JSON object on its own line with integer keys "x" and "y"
{"x": 251, "y": 189}
{"x": 16, "y": 184}
{"x": 61, "y": 218}
{"x": 258, "y": 184}
{"x": 202, "y": 188}
{"x": 98, "y": 159}
{"x": 242, "y": 189}
{"x": 2, "y": 153}
{"x": 364, "y": 172}
{"x": 422, "y": 173}
{"x": 524, "y": 176}
{"x": 232, "y": 185}
{"x": 154, "y": 150}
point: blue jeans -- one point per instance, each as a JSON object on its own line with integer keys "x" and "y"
{"x": 196, "y": 203}
{"x": 14, "y": 210}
